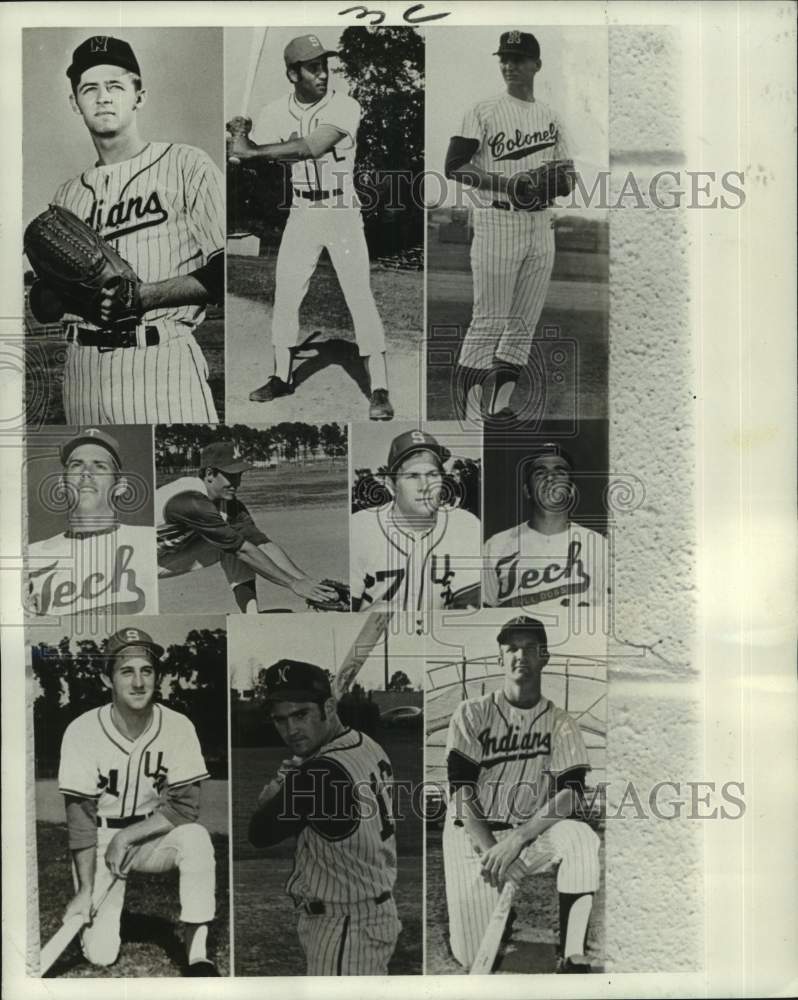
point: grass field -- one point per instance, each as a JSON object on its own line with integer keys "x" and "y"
{"x": 304, "y": 508}
{"x": 330, "y": 386}
{"x": 151, "y": 931}
{"x": 265, "y": 939}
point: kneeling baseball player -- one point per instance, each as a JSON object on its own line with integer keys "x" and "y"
{"x": 517, "y": 765}
{"x": 130, "y": 774}
{"x": 200, "y": 522}
{"x": 334, "y": 795}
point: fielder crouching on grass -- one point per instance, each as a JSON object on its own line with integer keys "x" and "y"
{"x": 334, "y": 795}
{"x": 130, "y": 774}
{"x": 517, "y": 765}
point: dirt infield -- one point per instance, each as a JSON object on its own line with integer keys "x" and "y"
{"x": 330, "y": 386}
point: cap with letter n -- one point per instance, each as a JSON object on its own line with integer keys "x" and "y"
{"x": 305, "y": 48}
{"x": 295, "y": 680}
{"x": 132, "y": 642}
{"x": 224, "y": 456}
{"x": 416, "y": 440}
{"x": 524, "y": 625}
{"x": 519, "y": 43}
{"x": 102, "y": 50}
{"x": 91, "y": 435}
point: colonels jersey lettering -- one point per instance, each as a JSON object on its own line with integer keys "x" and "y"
{"x": 162, "y": 210}
{"x": 515, "y": 749}
{"x": 77, "y": 572}
{"x": 358, "y": 863}
{"x": 127, "y": 777}
{"x": 400, "y": 570}
{"x": 524, "y": 568}
{"x": 287, "y": 119}
{"x": 514, "y": 135}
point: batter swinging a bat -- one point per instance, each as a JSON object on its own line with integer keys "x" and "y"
{"x": 315, "y": 129}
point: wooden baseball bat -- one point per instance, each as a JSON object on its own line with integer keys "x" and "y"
{"x": 374, "y": 627}
{"x": 489, "y": 946}
{"x": 257, "y": 41}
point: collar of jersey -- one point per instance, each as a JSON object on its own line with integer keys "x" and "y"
{"x": 539, "y": 708}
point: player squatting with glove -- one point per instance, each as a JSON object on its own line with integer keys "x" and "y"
{"x": 516, "y": 766}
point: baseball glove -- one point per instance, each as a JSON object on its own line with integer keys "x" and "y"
{"x": 536, "y": 189}
{"x": 341, "y": 602}
{"x": 78, "y": 272}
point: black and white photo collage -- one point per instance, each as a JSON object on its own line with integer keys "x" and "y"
{"x": 320, "y": 519}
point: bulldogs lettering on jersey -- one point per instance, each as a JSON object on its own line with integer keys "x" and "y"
{"x": 128, "y": 777}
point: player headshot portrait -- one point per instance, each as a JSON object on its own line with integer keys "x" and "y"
{"x": 413, "y": 543}
{"x": 131, "y": 774}
{"x": 131, "y": 251}
{"x": 98, "y": 493}
{"x": 327, "y": 137}
{"x": 516, "y": 766}
{"x": 201, "y": 522}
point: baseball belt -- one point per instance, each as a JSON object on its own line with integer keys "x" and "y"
{"x": 317, "y": 907}
{"x": 319, "y": 195}
{"x": 119, "y": 823}
{"x": 111, "y": 340}
{"x": 491, "y": 826}
{"x": 507, "y": 207}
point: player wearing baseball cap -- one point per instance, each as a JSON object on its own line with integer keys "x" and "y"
{"x": 130, "y": 773}
{"x": 414, "y": 554}
{"x": 334, "y": 795}
{"x": 315, "y": 128}
{"x": 513, "y": 249}
{"x": 517, "y": 766}
{"x": 549, "y": 563}
{"x": 98, "y": 563}
{"x": 160, "y": 205}
{"x": 201, "y": 522}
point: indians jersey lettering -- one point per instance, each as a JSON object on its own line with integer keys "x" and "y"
{"x": 127, "y": 777}
{"x": 361, "y": 864}
{"x": 162, "y": 210}
{"x": 515, "y": 749}
{"x": 513, "y": 136}
{"x": 287, "y": 119}
{"x": 395, "y": 569}
{"x": 78, "y": 572}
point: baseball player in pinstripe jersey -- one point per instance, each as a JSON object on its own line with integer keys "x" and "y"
{"x": 315, "y": 129}
{"x": 334, "y": 795}
{"x": 512, "y": 253}
{"x": 159, "y": 204}
{"x": 517, "y": 766}
{"x": 130, "y": 774}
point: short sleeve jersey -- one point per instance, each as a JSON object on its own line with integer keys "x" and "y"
{"x": 128, "y": 777}
{"x": 516, "y": 750}
{"x": 286, "y": 119}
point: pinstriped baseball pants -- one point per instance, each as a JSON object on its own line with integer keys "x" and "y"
{"x": 355, "y": 943}
{"x": 470, "y": 901}
{"x": 512, "y": 255}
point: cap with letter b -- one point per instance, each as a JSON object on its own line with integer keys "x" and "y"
{"x": 519, "y": 43}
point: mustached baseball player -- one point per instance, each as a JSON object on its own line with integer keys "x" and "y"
{"x": 200, "y": 522}
{"x": 549, "y": 563}
{"x": 334, "y": 795}
{"x": 516, "y": 765}
{"x": 415, "y": 554}
{"x": 130, "y": 773}
{"x": 512, "y": 253}
{"x": 160, "y": 205}
{"x": 98, "y": 564}
{"x": 315, "y": 128}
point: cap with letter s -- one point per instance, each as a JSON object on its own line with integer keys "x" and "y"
{"x": 102, "y": 50}
{"x": 91, "y": 435}
{"x": 132, "y": 642}
{"x": 519, "y": 43}
{"x": 296, "y": 680}
{"x": 305, "y": 48}
{"x": 416, "y": 440}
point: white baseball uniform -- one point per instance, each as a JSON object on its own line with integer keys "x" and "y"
{"x": 395, "y": 569}
{"x": 128, "y": 780}
{"x": 340, "y": 804}
{"x": 566, "y": 574}
{"x": 163, "y": 211}
{"x": 512, "y": 253}
{"x": 325, "y": 213}
{"x": 113, "y": 572}
{"x": 516, "y": 750}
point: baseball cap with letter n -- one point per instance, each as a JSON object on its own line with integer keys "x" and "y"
{"x": 102, "y": 50}
{"x": 224, "y": 456}
{"x": 525, "y": 625}
{"x": 295, "y": 680}
{"x": 519, "y": 43}
{"x": 305, "y": 48}
{"x": 416, "y": 440}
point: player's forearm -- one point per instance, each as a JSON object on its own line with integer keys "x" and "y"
{"x": 285, "y": 152}
{"x": 153, "y": 826}
{"x": 281, "y": 558}
{"x": 560, "y": 806}
{"x": 469, "y": 810}
{"x": 182, "y": 291}
{"x": 85, "y": 861}
{"x": 475, "y": 176}
{"x": 264, "y": 566}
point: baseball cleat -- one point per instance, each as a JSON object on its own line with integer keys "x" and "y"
{"x": 574, "y": 965}
{"x": 272, "y": 389}
{"x": 380, "y": 405}
{"x": 203, "y": 968}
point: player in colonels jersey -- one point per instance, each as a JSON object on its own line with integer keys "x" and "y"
{"x": 549, "y": 563}
{"x": 334, "y": 795}
{"x": 517, "y": 766}
{"x": 98, "y": 563}
{"x": 159, "y": 204}
{"x": 512, "y": 253}
{"x": 315, "y": 128}
{"x": 415, "y": 555}
{"x": 201, "y": 522}
{"x": 130, "y": 773}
